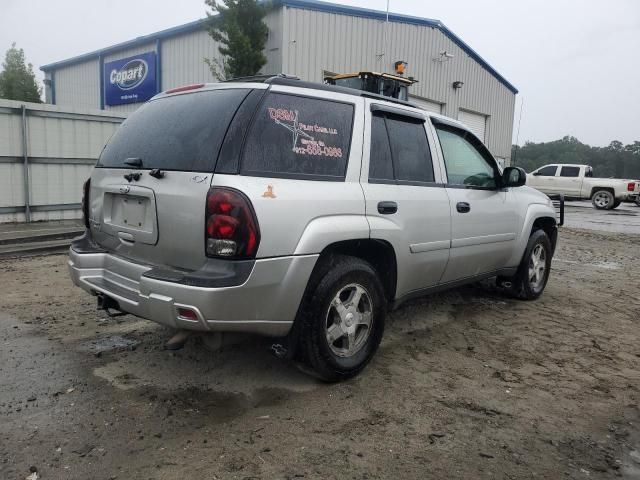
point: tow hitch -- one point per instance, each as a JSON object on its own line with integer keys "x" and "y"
{"x": 107, "y": 304}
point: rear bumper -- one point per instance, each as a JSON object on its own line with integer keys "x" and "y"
{"x": 265, "y": 303}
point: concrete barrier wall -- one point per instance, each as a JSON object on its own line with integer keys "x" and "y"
{"x": 46, "y": 154}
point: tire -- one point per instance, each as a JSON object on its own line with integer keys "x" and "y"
{"x": 523, "y": 286}
{"x": 603, "y": 200}
{"x": 616, "y": 204}
{"x": 329, "y": 310}
{"x": 638, "y": 200}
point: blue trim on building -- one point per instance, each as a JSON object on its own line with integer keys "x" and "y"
{"x": 304, "y": 4}
{"x": 359, "y": 12}
{"x": 101, "y": 69}
{"x": 158, "y": 65}
{"x": 136, "y": 42}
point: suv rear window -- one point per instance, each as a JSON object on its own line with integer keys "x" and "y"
{"x": 180, "y": 132}
{"x": 299, "y": 137}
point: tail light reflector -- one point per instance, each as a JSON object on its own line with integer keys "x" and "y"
{"x": 231, "y": 227}
{"x": 631, "y": 186}
{"x": 86, "y": 189}
{"x": 187, "y": 314}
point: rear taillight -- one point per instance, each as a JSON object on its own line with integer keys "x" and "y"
{"x": 231, "y": 228}
{"x": 86, "y": 189}
{"x": 631, "y": 186}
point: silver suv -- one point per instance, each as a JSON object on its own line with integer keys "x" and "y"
{"x": 301, "y": 211}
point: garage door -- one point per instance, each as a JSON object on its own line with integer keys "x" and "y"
{"x": 428, "y": 105}
{"x": 476, "y": 122}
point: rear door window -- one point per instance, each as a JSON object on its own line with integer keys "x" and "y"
{"x": 410, "y": 150}
{"x": 299, "y": 137}
{"x": 399, "y": 151}
{"x": 380, "y": 163}
{"x": 180, "y": 132}
{"x": 570, "y": 172}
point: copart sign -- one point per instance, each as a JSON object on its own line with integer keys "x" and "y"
{"x": 130, "y": 80}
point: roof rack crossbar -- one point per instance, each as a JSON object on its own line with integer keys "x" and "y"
{"x": 263, "y": 78}
{"x": 295, "y": 82}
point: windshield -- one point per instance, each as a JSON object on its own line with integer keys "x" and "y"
{"x": 180, "y": 132}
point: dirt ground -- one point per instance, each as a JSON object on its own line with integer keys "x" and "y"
{"x": 467, "y": 384}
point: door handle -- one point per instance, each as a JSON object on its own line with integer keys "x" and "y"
{"x": 387, "y": 208}
{"x": 463, "y": 207}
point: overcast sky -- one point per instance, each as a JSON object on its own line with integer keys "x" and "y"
{"x": 576, "y": 63}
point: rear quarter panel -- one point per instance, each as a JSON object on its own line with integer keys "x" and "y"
{"x": 303, "y": 216}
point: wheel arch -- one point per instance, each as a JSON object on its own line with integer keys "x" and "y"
{"x": 550, "y": 227}
{"x": 538, "y": 216}
{"x": 597, "y": 189}
{"x": 378, "y": 253}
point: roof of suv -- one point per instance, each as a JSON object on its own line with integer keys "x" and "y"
{"x": 263, "y": 81}
{"x": 286, "y": 80}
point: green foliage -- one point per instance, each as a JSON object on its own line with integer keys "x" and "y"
{"x": 242, "y": 33}
{"x": 615, "y": 160}
{"x": 17, "y": 80}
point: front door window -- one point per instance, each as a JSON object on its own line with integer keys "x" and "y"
{"x": 468, "y": 164}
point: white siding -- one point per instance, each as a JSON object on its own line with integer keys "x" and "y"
{"x": 72, "y": 139}
{"x": 273, "y": 48}
{"x": 315, "y": 41}
{"x": 428, "y": 105}
{"x": 183, "y": 59}
{"x": 476, "y": 122}
{"x": 79, "y": 85}
{"x": 130, "y": 52}
{"x": 183, "y": 56}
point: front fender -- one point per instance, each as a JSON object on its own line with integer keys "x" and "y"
{"x": 323, "y": 231}
{"x": 534, "y": 212}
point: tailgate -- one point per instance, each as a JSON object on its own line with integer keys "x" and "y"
{"x": 155, "y": 221}
{"x": 149, "y": 188}
{"x": 129, "y": 213}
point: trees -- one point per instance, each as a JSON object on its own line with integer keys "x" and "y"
{"x": 240, "y": 29}
{"x": 17, "y": 80}
{"x": 614, "y": 160}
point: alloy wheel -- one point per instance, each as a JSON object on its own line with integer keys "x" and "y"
{"x": 537, "y": 267}
{"x": 348, "y": 321}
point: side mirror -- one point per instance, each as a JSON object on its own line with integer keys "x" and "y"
{"x": 513, "y": 177}
{"x": 536, "y": 174}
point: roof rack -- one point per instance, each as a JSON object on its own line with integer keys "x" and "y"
{"x": 260, "y": 78}
{"x": 291, "y": 81}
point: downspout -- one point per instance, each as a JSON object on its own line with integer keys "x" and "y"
{"x": 101, "y": 69}
{"x": 25, "y": 156}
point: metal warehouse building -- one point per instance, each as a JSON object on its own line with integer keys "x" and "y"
{"x": 308, "y": 39}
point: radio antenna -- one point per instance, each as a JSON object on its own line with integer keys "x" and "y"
{"x": 515, "y": 152}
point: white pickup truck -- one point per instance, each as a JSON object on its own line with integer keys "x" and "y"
{"x": 576, "y": 181}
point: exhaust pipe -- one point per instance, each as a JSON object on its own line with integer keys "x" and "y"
{"x": 107, "y": 304}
